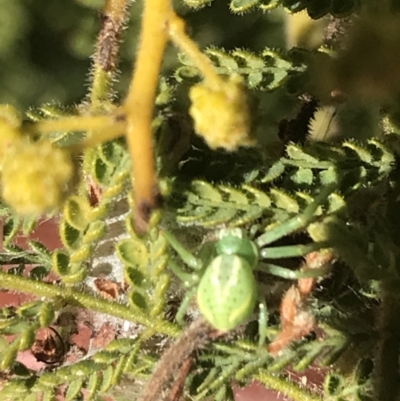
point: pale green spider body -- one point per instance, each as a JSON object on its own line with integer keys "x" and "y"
{"x": 227, "y": 292}
{"x": 227, "y": 289}
{"x": 223, "y": 274}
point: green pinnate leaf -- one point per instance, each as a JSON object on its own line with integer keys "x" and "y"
{"x": 234, "y": 195}
{"x": 223, "y": 59}
{"x": 197, "y": 4}
{"x": 40, "y": 249}
{"x": 101, "y": 171}
{"x": 77, "y": 275}
{"x": 84, "y": 252}
{"x": 241, "y": 6}
{"x": 107, "y": 375}
{"x": 30, "y": 309}
{"x": 275, "y": 171}
{"x": 119, "y": 370}
{"x": 361, "y": 152}
{"x": 333, "y": 384}
{"x": 206, "y": 191}
{"x": 93, "y": 385}
{"x": 69, "y": 235}
{"x": 138, "y": 300}
{"x": 303, "y": 176}
{"x": 260, "y": 197}
{"x": 329, "y": 176}
{"x": 76, "y": 210}
{"x": 49, "y": 395}
{"x": 13, "y": 326}
{"x": 60, "y": 263}
{"x": 8, "y": 356}
{"x": 265, "y": 71}
{"x": 74, "y": 389}
{"x": 27, "y": 338}
{"x": 10, "y": 229}
{"x": 95, "y": 231}
{"x": 28, "y": 225}
{"x": 296, "y": 152}
{"x": 106, "y": 357}
{"x": 133, "y": 253}
{"x": 111, "y": 152}
{"x": 3, "y": 344}
{"x": 284, "y": 200}
{"x": 220, "y": 216}
{"x": 133, "y": 276}
{"x": 46, "y": 314}
{"x": 267, "y": 5}
{"x": 15, "y": 388}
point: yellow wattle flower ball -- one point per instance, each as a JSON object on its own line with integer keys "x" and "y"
{"x": 10, "y": 123}
{"x": 221, "y": 115}
{"x": 35, "y": 177}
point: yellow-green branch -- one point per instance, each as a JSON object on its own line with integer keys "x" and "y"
{"x": 89, "y": 302}
{"x": 286, "y": 387}
{"x": 139, "y": 106}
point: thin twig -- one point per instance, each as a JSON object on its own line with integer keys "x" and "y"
{"x": 106, "y": 57}
{"x": 177, "y": 389}
{"x": 197, "y": 335}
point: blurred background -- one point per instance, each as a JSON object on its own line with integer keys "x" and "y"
{"x": 45, "y": 47}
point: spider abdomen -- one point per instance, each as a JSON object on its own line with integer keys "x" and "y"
{"x": 227, "y": 292}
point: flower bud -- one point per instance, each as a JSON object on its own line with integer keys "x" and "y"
{"x": 221, "y": 115}
{"x": 35, "y": 177}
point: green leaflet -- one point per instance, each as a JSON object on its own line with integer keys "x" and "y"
{"x": 267, "y": 70}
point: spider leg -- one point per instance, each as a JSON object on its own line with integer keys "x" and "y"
{"x": 295, "y": 223}
{"x": 262, "y": 321}
{"x": 188, "y": 279}
{"x": 184, "y": 306}
{"x": 183, "y": 252}
{"x": 289, "y": 274}
{"x": 291, "y": 251}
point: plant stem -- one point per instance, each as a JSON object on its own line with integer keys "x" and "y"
{"x": 86, "y": 301}
{"x": 107, "y": 49}
{"x": 196, "y": 336}
{"x": 107, "y": 127}
{"x": 139, "y": 106}
{"x": 286, "y": 387}
{"x": 176, "y": 30}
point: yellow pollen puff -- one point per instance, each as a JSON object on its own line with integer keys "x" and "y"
{"x": 221, "y": 115}
{"x": 35, "y": 177}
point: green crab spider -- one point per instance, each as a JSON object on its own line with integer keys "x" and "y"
{"x": 223, "y": 273}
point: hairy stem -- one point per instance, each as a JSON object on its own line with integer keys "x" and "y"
{"x": 139, "y": 106}
{"x": 196, "y": 336}
{"x": 106, "y": 127}
{"x": 87, "y": 301}
{"x": 286, "y": 387}
{"x": 106, "y": 57}
{"x": 178, "y": 36}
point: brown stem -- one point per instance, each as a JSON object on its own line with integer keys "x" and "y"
{"x": 197, "y": 335}
{"x": 106, "y": 57}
